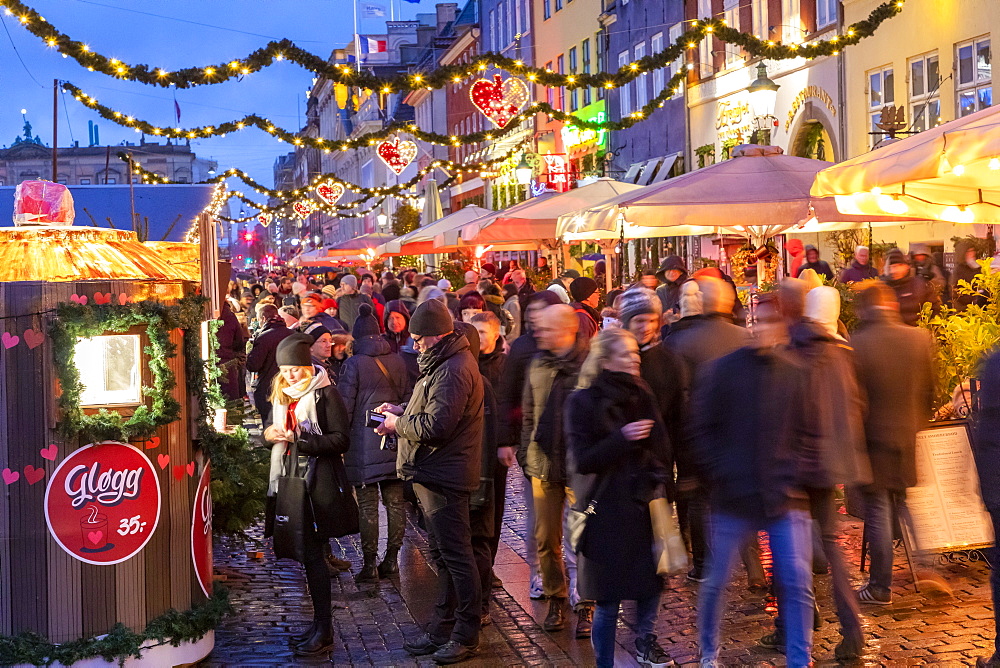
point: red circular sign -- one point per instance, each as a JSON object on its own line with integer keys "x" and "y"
{"x": 102, "y": 504}
{"x": 201, "y": 532}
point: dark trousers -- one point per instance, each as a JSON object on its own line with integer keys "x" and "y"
{"x": 499, "y": 504}
{"x": 995, "y": 577}
{"x": 392, "y": 499}
{"x": 697, "y": 512}
{"x": 482, "y": 524}
{"x": 318, "y": 576}
{"x": 458, "y": 607}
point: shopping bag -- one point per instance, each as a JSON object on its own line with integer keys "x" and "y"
{"x": 292, "y": 513}
{"x": 336, "y": 515}
{"x": 669, "y": 550}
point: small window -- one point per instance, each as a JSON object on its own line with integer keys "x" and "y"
{"x": 547, "y": 9}
{"x": 974, "y": 76}
{"x": 925, "y": 102}
{"x": 585, "y": 56}
{"x": 111, "y": 180}
{"x": 826, "y": 13}
{"x": 625, "y": 91}
{"x": 655, "y": 46}
{"x": 84, "y": 182}
{"x": 758, "y": 16}
{"x": 559, "y": 5}
{"x": 642, "y": 83}
{"x": 881, "y": 93}
{"x": 561, "y": 92}
{"x": 109, "y": 370}
{"x": 573, "y": 64}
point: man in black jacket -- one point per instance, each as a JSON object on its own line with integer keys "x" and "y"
{"x": 551, "y": 377}
{"x": 440, "y": 451}
{"x": 987, "y": 452}
{"x": 672, "y": 273}
{"x": 261, "y": 359}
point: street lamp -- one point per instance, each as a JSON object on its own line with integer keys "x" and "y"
{"x": 383, "y": 221}
{"x": 763, "y": 96}
{"x": 523, "y": 173}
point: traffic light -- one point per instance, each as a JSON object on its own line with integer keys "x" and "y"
{"x": 248, "y": 236}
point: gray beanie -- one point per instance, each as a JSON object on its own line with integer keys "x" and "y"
{"x": 636, "y": 301}
{"x": 432, "y": 318}
{"x": 351, "y": 280}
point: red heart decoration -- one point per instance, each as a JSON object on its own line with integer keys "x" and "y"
{"x": 102, "y": 298}
{"x": 123, "y": 299}
{"x": 10, "y": 477}
{"x": 33, "y": 475}
{"x": 178, "y": 471}
{"x": 33, "y": 338}
{"x": 264, "y": 219}
{"x": 163, "y": 461}
{"x": 190, "y": 469}
{"x": 9, "y": 340}
{"x": 153, "y": 442}
{"x": 303, "y": 208}
{"x": 330, "y": 192}
{"x": 95, "y": 537}
{"x": 79, "y": 299}
{"x": 50, "y": 452}
{"x": 499, "y": 100}
{"x": 396, "y": 154}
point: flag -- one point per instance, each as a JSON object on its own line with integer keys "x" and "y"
{"x": 416, "y": 2}
{"x": 372, "y": 11}
{"x": 177, "y": 110}
{"x": 371, "y": 45}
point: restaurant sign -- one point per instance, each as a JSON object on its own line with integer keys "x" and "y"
{"x": 733, "y": 119}
{"x": 578, "y": 139}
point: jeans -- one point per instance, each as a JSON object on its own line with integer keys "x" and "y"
{"x": 318, "y": 576}
{"x": 457, "y": 608}
{"x": 696, "y": 508}
{"x": 392, "y": 499}
{"x": 879, "y": 526}
{"x": 995, "y": 577}
{"x": 606, "y": 619}
{"x": 791, "y": 546}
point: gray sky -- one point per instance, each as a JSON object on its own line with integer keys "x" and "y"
{"x": 174, "y": 34}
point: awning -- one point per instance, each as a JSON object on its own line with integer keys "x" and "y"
{"x": 421, "y": 240}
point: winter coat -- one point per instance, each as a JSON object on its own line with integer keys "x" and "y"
{"x": 665, "y": 373}
{"x": 615, "y": 555}
{"x": 911, "y": 294}
{"x": 261, "y": 361}
{"x": 834, "y": 451}
{"x": 858, "y": 272}
{"x": 364, "y": 387}
{"x": 986, "y": 433}
{"x": 349, "y": 306}
{"x": 495, "y": 305}
{"x": 549, "y": 380}
{"x": 441, "y": 430}
{"x": 232, "y": 349}
{"x": 513, "y": 307}
{"x": 670, "y": 329}
{"x": 325, "y": 451}
{"x": 706, "y": 340}
{"x": 492, "y": 365}
{"x": 511, "y": 389}
{"x": 963, "y": 272}
{"x": 895, "y": 369}
{"x": 821, "y": 267}
{"x": 589, "y": 321}
{"x": 748, "y": 417}
{"x": 670, "y": 292}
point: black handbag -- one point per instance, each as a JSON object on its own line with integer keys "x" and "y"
{"x": 293, "y": 509}
{"x": 338, "y": 515}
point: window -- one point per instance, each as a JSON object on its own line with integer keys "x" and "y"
{"x": 655, "y": 46}
{"x": 112, "y": 180}
{"x": 547, "y": 9}
{"x": 109, "y": 370}
{"x": 601, "y": 58}
{"x": 974, "y": 76}
{"x": 705, "y": 64}
{"x": 559, "y": 4}
{"x": 573, "y": 94}
{"x": 880, "y": 94}
{"x": 84, "y": 182}
{"x": 791, "y": 22}
{"x": 494, "y": 38}
{"x": 642, "y": 83}
{"x": 758, "y": 15}
{"x": 731, "y": 14}
{"x": 550, "y": 93}
{"x": 501, "y": 27}
{"x": 585, "y": 56}
{"x": 676, "y": 30}
{"x": 826, "y": 13}
{"x": 925, "y": 103}
{"x": 561, "y": 92}
{"x": 624, "y": 93}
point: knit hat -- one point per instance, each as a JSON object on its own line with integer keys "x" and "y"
{"x": 489, "y": 268}
{"x": 329, "y": 303}
{"x": 823, "y": 308}
{"x": 570, "y": 273}
{"x": 351, "y": 280}
{"x": 716, "y": 295}
{"x": 811, "y": 278}
{"x": 550, "y": 298}
{"x": 895, "y": 256}
{"x": 581, "y": 288}
{"x": 430, "y": 293}
{"x": 297, "y": 288}
{"x": 316, "y": 301}
{"x": 330, "y": 291}
{"x": 366, "y": 324}
{"x": 637, "y": 301}
{"x": 471, "y": 277}
{"x": 314, "y": 329}
{"x": 690, "y": 299}
{"x": 444, "y": 284}
{"x": 294, "y": 350}
{"x": 432, "y": 318}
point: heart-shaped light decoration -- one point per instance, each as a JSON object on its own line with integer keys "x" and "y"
{"x": 397, "y": 154}
{"x": 303, "y": 208}
{"x": 330, "y": 192}
{"x": 499, "y": 100}
{"x": 264, "y": 219}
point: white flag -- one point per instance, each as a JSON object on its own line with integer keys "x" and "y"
{"x": 370, "y": 10}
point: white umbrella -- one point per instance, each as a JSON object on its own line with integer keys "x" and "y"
{"x": 432, "y": 204}
{"x": 421, "y": 240}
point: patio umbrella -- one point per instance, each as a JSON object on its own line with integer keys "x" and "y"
{"x": 461, "y": 236}
{"x": 358, "y": 245}
{"x": 432, "y": 204}
{"x": 421, "y": 240}
{"x": 951, "y": 172}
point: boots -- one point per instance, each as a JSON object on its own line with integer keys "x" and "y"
{"x": 390, "y": 563}
{"x": 320, "y": 642}
{"x": 368, "y": 572}
{"x": 302, "y": 635}
{"x": 555, "y": 620}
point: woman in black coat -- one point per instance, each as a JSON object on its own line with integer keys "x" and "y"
{"x": 306, "y": 410}
{"x": 372, "y": 376}
{"x": 618, "y": 455}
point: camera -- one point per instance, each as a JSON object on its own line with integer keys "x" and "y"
{"x": 374, "y": 419}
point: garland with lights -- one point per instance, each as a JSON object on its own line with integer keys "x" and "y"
{"x": 440, "y": 77}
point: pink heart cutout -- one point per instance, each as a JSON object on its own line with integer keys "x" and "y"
{"x": 33, "y": 338}
{"x": 10, "y": 340}
{"x": 163, "y": 461}
{"x": 49, "y": 453}
{"x": 102, "y": 298}
{"x": 190, "y": 469}
{"x": 95, "y": 537}
{"x": 79, "y": 299}
{"x": 123, "y": 299}
{"x": 33, "y": 475}
{"x": 10, "y": 477}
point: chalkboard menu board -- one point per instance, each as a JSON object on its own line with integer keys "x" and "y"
{"x": 946, "y": 509}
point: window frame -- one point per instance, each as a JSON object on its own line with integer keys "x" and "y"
{"x": 976, "y": 85}
{"x": 875, "y": 112}
{"x": 642, "y": 82}
{"x": 624, "y": 91}
{"x": 659, "y": 79}
{"x": 585, "y": 64}
{"x": 574, "y": 63}
{"x": 832, "y": 8}
{"x": 919, "y": 105}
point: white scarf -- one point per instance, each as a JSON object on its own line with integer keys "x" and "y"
{"x": 305, "y": 415}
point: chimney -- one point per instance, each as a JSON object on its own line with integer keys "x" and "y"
{"x": 446, "y": 13}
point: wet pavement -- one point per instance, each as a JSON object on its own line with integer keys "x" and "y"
{"x": 371, "y": 621}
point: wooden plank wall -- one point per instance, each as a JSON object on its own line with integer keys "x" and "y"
{"x": 42, "y": 588}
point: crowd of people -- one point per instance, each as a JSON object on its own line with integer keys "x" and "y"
{"x": 426, "y": 395}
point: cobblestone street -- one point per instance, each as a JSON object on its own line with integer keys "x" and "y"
{"x": 371, "y": 621}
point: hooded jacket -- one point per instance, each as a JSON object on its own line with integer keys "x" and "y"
{"x": 986, "y": 428}
{"x": 262, "y": 361}
{"x": 549, "y": 380}
{"x": 858, "y": 272}
{"x": 706, "y": 340}
{"x": 441, "y": 430}
{"x": 821, "y": 267}
{"x": 396, "y": 341}
{"x": 912, "y": 292}
{"x": 364, "y": 387}
{"x": 963, "y": 272}
{"x": 670, "y": 292}
{"x": 349, "y": 307}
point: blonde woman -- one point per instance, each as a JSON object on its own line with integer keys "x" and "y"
{"x": 307, "y": 410}
{"x": 618, "y": 454}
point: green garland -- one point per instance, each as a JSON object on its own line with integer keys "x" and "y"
{"x": 76, "y": 320}
{"x": 120, "y": 643}
{"x": 440, "y": 77}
